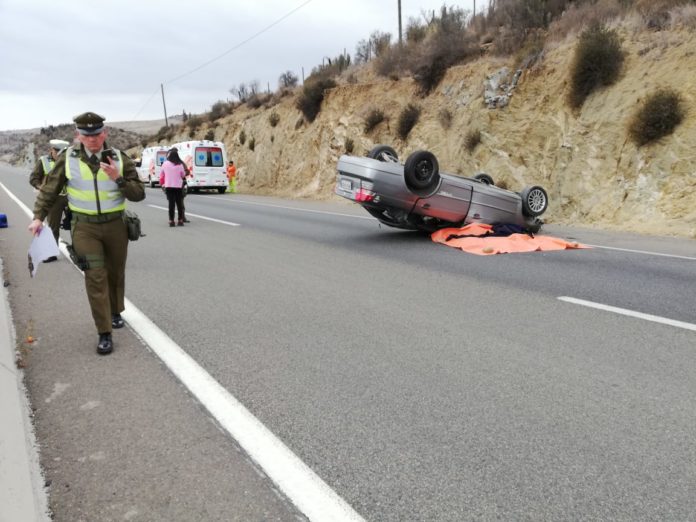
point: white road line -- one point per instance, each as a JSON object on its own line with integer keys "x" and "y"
{"x": 293, "y": 208}
{"x": 312, "y": 496}
{"x": 641, "y": 252}
{"x": 630, "y": 313}
{"x": 198, "y": 216}
{"x": 305, "y": 489}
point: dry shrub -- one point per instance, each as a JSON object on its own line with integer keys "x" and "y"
{"x": 252, "y": 143}
{"x": 273, "y": 119}
{"x": 309, "y": 102}
{"x": 392, "y": 61}
{"x": 242, "y": 137}
{"x": 658, "y": 116}
{"x": 597, "y": 63}
{"x": 656, "y": 13}
{"x": 445, "y": 118}
{"x": 210, "y": 135}
{"x": 374, "y": 118}
{"x": 578, "y": 17}
{"x": 683, "y": 16}
{"x": 407, "y": 120}
{"x": 472, "y": 139}
{"x": 349, "y": 144}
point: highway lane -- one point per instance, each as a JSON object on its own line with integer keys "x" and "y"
{"x": 423, "y": 383}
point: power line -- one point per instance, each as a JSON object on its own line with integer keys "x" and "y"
{"x": 228, "y": 51}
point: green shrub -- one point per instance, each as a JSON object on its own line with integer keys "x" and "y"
{"x": 597, "y": 63}
{"x": 309, "y": 102}
{"x": 273, "y": 119}
{"x": 374, "y": 118}
{"x": 659, "y": 115}
{"x": 407, "y": 120}
{"x": 472, "y": 139}
{"x": 252, "y": 143}
{"x": 242, "y": 137}
{"x": 349, "y": 145}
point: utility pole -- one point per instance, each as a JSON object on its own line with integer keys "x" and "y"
{"x": 474, "y": 8}
{"x": 399, "y": 1}
{"x": 166, "y": 122}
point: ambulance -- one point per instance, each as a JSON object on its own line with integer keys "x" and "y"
{"x": 207, "y": 163}
{"x": 151, "y": 163}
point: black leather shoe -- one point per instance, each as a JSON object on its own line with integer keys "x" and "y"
{"x": 186, "y": 220}
{"x": 117, "y": 321}
{"x": 106, "y": 345}
{"x": 50, "y": 259}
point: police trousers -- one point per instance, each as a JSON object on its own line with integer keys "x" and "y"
{"x": 55, "y": 215}
{"x": 105, "y": 248}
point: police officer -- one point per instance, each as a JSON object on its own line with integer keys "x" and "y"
{"x": 36, "y": 179}
{"x": 98, "y": 180}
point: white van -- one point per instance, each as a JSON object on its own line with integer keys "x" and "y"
{"x": 207, "y": 163}
{"x": 150, "y": 164}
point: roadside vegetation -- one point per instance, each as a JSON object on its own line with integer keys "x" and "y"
{"x": 440, "y": 39}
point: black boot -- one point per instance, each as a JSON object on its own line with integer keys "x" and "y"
{"x": 117, "y": 321}
{"x": 106, "y": 344}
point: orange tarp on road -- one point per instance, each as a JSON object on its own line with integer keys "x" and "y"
{"x": 483, "y": 245}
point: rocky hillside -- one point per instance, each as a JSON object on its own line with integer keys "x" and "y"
{"x": 594, "y": 174}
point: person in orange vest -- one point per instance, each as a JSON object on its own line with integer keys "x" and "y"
{"x": 232, "y": 176}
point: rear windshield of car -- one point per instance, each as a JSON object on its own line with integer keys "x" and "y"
{"x": 209, "y": 157}
{"x": 161, "y": 157}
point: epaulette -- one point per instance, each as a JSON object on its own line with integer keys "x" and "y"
{"x": 75, "y": 153}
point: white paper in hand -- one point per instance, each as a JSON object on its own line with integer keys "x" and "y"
{"x": 42, "y": 247}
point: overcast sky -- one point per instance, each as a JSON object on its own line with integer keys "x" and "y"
{"x": 61, "y": 58}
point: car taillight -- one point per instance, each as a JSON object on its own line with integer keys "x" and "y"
{"x": 363, "y": 195}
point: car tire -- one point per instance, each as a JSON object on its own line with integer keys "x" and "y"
{"x": 383, "y": 153}
{"x": 534, "y": 201}
{"x": 484, "y": 178}
{"x": 421, "y": 171}
{"x": 222, "y": 190}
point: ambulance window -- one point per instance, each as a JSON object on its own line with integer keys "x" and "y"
{"x": 161, "y": 157}
{"x": 209, "y": 157}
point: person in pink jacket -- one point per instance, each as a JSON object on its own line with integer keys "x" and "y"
{"x": 172, "y": 178}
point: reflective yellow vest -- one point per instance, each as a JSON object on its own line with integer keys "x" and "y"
{"x": 47, "y": 164}
{"x": 89, "y": 193}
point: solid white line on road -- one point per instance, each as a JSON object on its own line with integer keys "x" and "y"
{"x": 310, "y": 494}
{"x": 630, "y": 313}
{"x": 294, "y": 478}
{"x": 641, "y": 252}
{"x": 293, "y": 208}
{"x": 198, "y": 216}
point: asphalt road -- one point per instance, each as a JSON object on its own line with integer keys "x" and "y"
{"x": 416, "y": 381}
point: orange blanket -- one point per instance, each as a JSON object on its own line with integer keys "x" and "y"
{"x": 486, "y": 246}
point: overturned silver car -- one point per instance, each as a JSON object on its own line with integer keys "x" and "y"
{"x": 417, "y": 196}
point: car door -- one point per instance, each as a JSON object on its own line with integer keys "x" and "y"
{"x": 450, "y": 202}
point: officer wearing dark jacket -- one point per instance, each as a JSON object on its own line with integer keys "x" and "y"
{"x": 36, "y": 179}
{"x": 98, "y": 180}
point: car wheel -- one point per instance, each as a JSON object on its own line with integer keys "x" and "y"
{"x": 534, "y": 201}
{"x": 421, "y": 170}
{"x": 383, "y": 153}
{"x": 222, "y": 190}
{"x": 484, "y": 178}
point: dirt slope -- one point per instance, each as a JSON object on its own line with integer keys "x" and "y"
{"x": 594, "y": 175}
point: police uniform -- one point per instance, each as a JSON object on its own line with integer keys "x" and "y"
{"x": 100, "y": 241}
{"x": 36, "y": 179}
